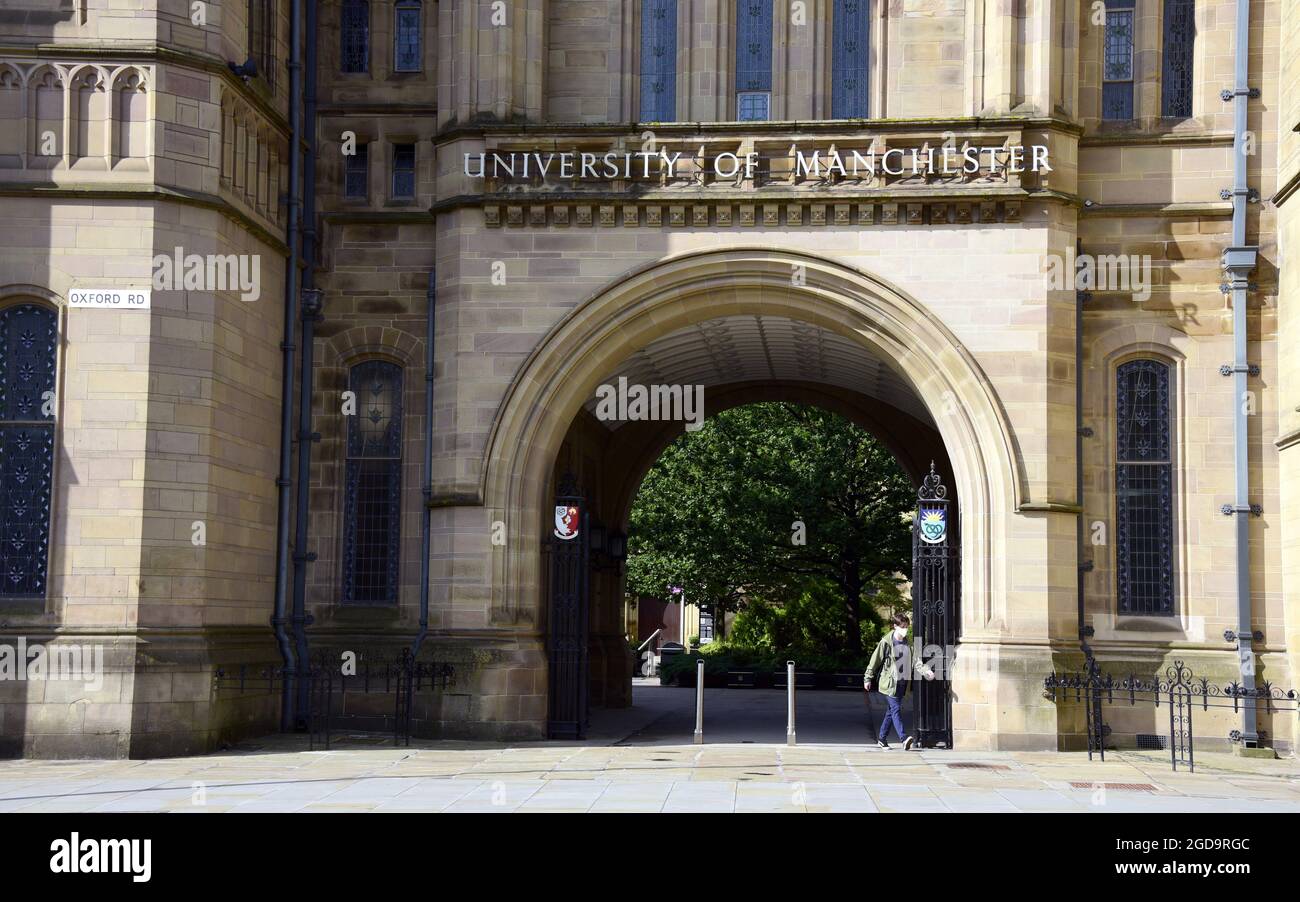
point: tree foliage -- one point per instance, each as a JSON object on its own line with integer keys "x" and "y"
{"x": 766, "y": 503}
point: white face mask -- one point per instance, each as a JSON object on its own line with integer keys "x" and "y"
{"x": 900, "y": 632}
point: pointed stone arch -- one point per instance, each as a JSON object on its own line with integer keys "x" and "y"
{"x": 563, "y": 371}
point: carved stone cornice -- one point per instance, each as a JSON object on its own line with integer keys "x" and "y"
{"x": 751, "y": 212}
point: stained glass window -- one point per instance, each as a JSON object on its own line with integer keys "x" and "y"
{"x": 1144, "y": 489}
{"x": 850, "y": 41}
{"x": 1176, "y": 80}
{"x": 1117, "y": 61}
{"x": 354, "y": 29}
{"x": 753, "y": 59}
{"x": 372, "y": 498}
{"x": 406, "y": 36}
{"x": 658, "y": 60}
{"x": 28, "y": 341}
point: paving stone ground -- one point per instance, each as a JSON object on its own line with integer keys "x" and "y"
{"x": 641, "y": 760}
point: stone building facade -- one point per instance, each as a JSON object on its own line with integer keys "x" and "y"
{"x": 917, "y": 302}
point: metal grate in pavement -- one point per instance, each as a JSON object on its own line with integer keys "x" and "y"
{"x": 1118, "y": 787}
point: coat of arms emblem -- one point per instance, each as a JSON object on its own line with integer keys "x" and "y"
{"x": 566, "y": 521}
{"x": 934, "y": 525}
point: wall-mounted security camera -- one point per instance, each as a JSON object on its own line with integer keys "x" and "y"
{"x": 245, "y": 70}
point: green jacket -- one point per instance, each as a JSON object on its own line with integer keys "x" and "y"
{"x": 883, "y": 672}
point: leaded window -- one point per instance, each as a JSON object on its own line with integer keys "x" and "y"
{"x": 753, "y": 59}
{"x": 357, "y": 174}
{"x": 354, "y": 29}
{"x": 372, "y": 499}
{"x": 403, "y": 170}
{"x": 1176, "y": 80}
{"x": 28, "y": 342}
{"x": 753, "y": 106}
{"x": 1144, "y": 489}
{"x": 406, "y": 36}
{"x": 1117, "y": 61}
{"x": 658, "y": 60}
{"x": 850, "y": 40}
{"x": 261, "y": 38}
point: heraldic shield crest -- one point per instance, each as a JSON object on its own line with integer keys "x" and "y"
{"x": 566, "y": 521}
{"x": 933, "y": 524}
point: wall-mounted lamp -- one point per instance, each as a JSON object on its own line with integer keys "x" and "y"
{"x": 596, "y": 536}
{"x": 616, "y": 546}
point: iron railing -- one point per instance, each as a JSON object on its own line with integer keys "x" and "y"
{"x": 1178, "y": 690}
{"x": 333, "y": 676}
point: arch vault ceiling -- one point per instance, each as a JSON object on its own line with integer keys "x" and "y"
{"x": 757, "y": 348}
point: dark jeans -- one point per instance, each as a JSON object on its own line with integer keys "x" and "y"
{"x": 892, "y": 715}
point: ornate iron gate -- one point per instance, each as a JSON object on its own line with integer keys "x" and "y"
{"x": 935, "y": 574}
{"x": 567, "y": 632}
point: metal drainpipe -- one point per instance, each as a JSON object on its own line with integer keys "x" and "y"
{"x": 426, "y": 524}
{"x": 311, "y": 310}
{"x": 1239, "y": 260}
{"x": 1080, "y": 432}
{"x": 283, "y": 481}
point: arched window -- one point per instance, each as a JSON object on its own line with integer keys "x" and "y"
{"x": 28, "y": 342}
{"x": 406, "y": 37}
{"x": 373, "y": 487}
{"x": 850, "y": 41}
{"x": 355, "y": 34}
{"x": 1144, "y": 489}
{"x": 1117, "y": 61}
{"x": 753, "y": 60}
{"x": 1176, "y": 80}
{"x": 658, "y": 60}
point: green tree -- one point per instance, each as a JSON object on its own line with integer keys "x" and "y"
{"x": 767, "y": 502}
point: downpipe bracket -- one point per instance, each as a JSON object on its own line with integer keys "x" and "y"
{"x": 1251, "y": 194}
{"x": 1229, "y": 368}
{"x": 1232, "y": 636}
{"x": 1229, "y": 509}
{"x": 1227, "y": 94}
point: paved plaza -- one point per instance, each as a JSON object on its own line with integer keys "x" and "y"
{"x": 642, "y": 760}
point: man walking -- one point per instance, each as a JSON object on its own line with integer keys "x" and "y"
{"x": 888, "y": 669}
